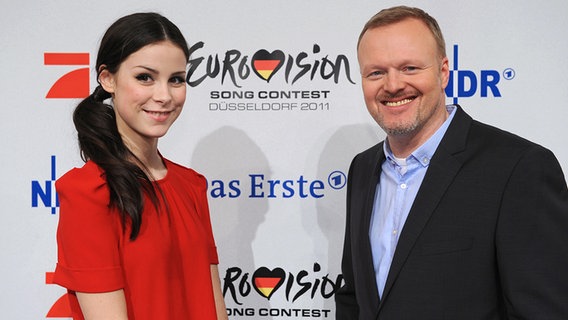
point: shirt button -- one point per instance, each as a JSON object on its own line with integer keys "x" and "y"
{"x": 394, "y": 232}
{"x": 425, "y": 160}
{"x": 403, "y": 186}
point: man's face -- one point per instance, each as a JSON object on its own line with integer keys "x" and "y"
{"x": 403, "y": 79}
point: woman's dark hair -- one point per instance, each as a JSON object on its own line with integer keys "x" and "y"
{"x": 95, "y": 121}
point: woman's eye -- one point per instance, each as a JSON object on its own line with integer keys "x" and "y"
{"x": 177, "y": 80}
{"x": 144, "y": 77}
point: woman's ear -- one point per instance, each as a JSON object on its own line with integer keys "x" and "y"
{"x": 106, "y": 79}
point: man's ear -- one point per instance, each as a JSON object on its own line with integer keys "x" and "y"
{"x": 445, "y": 72}
{"x": 106, "y": 79}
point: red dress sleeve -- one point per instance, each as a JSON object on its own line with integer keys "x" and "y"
{"x": 203, "y": 211}
{"x": 88, "y": 234}
{"x": 196, "y": 185}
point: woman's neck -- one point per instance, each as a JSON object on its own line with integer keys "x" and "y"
{"x": 148, "y": 157}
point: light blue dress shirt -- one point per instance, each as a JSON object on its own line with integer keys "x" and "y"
{"x": 399, "y": 183}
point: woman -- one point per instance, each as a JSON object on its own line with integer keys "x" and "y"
{"x": 134, "y": 235}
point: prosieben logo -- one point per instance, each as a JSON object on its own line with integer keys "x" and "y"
{"x": 74, "y": 83}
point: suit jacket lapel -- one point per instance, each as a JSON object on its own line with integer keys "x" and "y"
{"x": 372, "y": 182}
{"x": 441, "y": 172}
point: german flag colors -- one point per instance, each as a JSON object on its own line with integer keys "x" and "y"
{"x": 267, "y": 281}
{"x": 265, "y": 64}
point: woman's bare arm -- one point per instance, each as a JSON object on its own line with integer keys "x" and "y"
{"x": 103, "y": 306}
{"x": 218, "y": 293}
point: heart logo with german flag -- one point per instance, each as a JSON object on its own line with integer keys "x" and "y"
{"x": 265, "y": 64}
{"x": 266, "y": 282}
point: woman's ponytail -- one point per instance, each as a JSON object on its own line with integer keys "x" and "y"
{"x": 100, "y": 142}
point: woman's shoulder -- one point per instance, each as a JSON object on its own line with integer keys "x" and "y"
{"x": 89, "y": 176}
{"x": 186, "y": 173}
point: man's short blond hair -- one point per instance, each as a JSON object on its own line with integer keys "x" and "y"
{"x": 396, "y": 14}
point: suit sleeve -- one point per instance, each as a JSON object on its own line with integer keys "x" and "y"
{"x": 346, "y": 307}
{"x": 532, "y": 239}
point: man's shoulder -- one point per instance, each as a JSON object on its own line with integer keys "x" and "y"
{"x": 369, "y": 157}
{"x": 372, "y": 152}
{"x": 499, "y": 136}
{"x": 479, "y": 132}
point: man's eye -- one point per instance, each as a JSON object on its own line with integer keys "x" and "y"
{"x": 409, "y": 69}
{"x": 376, "y": 74}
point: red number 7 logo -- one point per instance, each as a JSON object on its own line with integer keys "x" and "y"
{"x": 74, "y": 84}
{"x": 60, "y": 308}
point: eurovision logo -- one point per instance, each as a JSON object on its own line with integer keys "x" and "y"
{"x": 267, "y": 282}
{"x": 237, "y": 67}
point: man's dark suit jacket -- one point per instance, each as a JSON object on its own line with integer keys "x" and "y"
{"x": 486, "y": 237}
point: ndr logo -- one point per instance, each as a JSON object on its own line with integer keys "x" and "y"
{"x": 465, "y": 83}
{"x": 45, "y": 193}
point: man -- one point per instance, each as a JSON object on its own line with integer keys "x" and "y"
{"x": 448, "y": 218}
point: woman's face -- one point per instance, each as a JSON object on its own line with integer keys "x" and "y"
{"x": 148, "y": 91}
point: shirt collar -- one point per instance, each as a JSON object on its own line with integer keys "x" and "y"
{"x": 425, "y": 152}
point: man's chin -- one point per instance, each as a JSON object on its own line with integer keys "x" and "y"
{"x": 400, "y": 130}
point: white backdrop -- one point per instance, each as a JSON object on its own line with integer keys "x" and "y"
{"x": 509, "y": 71}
